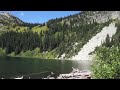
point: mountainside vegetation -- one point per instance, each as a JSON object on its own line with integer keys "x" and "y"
{"x": 107, "y": 58}
{"x": 63, "y": 37}
{"x": 59, "y": 36}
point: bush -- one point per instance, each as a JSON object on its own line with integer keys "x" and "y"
{"x": 12, "y": 54}
{"x": 36, "y": 51}
{"x": 2, "y": 52}
{"x": 28, "y": 53}
{"x": 107, "y": 63}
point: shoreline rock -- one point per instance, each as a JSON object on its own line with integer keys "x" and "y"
{"x": 75, "y": 74}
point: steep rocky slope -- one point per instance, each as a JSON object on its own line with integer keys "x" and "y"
{"x": 8, "y": 19}
{"x": 94, "y": 42}
{"x": 70, "y": 37}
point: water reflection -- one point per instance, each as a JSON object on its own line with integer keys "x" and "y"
{"x": 11, "y": 67}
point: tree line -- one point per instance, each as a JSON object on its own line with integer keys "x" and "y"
{"x": 17, "y": 42}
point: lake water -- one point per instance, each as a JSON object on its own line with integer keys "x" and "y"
{"x": 11, "y": 67}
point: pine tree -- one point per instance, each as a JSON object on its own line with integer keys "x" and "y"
{"x": 17, "y": 50}
{"x": 107, "y": 41}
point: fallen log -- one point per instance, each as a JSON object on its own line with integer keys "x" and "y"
{"x": 75, "y": 74}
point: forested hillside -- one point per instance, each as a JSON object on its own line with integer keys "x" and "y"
{"x": 58, "y": 37}
{"x": 64, "y": 38}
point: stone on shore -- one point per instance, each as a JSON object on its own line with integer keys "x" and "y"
{"x": 75, "y": 74}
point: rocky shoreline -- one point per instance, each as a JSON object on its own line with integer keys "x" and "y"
{"x": 75, "y": 74}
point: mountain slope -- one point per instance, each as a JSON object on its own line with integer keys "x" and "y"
{"x": 94, "y": 42}
{"x": 8, "y": 19}
{"x": 61, "y": 37}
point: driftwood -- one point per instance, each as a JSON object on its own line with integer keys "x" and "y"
{"x": 75, "y": 74}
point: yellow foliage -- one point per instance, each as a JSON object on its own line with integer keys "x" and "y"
{"x": 38, "y": 29}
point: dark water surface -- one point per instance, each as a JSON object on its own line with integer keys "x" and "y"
{"x": 11, "y": 67}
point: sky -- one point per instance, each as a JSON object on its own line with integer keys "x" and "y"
{"x": 40, "y": 16}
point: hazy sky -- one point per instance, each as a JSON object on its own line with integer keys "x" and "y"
{"x": 41, "y": 16}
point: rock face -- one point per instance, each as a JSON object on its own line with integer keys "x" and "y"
{"x": 94, "y": 42}
{"x": 89, "y": 17}
{"x": 101, "y": 16}
{"x": 8, "y": 19}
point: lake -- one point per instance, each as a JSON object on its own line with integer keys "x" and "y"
{"x": 11, "y": 67}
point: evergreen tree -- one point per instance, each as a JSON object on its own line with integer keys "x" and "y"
{"x": 107, "y": 41}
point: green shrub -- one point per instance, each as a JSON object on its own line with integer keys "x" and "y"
{"x": 12, "y": 54}
{"x": 107, "y": 63}
{"x": 2, "y": 52}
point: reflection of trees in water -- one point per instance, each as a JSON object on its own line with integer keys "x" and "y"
{"x": 24, "y": 66}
